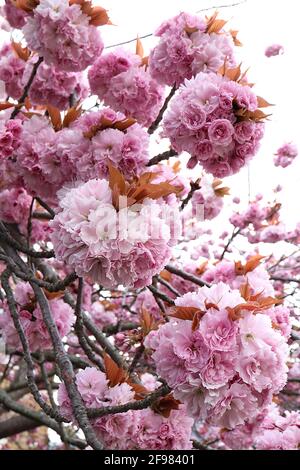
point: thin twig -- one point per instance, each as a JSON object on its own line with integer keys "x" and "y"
{"x": 188, "y": 277}
{"x": 79, "y": 329}
{"x": 45, "y": 206}
{"x": 157, "y": 121}
{"x": 26, "y": 348}
{"x": 152, "y": 34}
{"x": 195, "y": 186}
{"x": 27, "y": 87}
{"x": 234, "y": 234}
{"x": 66, "y": 371}
{"x": 168, "y": 286}
{"x": 161, "y": 295}
{"x": 135, "y": 405}
{"x": 162, "y": 156}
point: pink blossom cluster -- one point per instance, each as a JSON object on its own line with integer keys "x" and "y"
{"x": 141, "y": 429}
{"x": 225, "y": 370}
{"x": 263, "y": 223}
{"x": 255, "y": 214}
{"x": 285, "y": 155}
{"x": 10, "y": 137}
{"x": 62, "y": 35}
{"x": 120, "y": 80}
{"x": 14, "y": 206}
{"x": 46, "y": 160}
{"x": 11, "y": 71}
{"x": 186, "y": 48}
{"x": 206, "y": 203}
{"x": 202, "y": 121}
{"x": 272, "y": 233}
{"x": 34, "y": 152}
{"x": 258, "y": 282}
{"x": 145, "y": 300}
{"x": 31, "y": 319}
{"x": 89, "y": 235}
{"x": 258, "y": 279}
{"x": 14, "y": 209}
{"x": 270, "y": 431}
{"x": 126, "y": 150}
{"x": 15, "y": 16}
{"x": 55, "y": 87}
{"x": 51, "y": 86}
{"x": 167, "y": 173}
{"x": 156, "y": 432}
{"x": 108, "y": 66}
{"x": 273, "y": 50}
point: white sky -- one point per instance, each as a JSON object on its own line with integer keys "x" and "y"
{"x": 261, "y": 23}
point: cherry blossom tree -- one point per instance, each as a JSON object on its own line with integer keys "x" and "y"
{"x": 130, "y": 318}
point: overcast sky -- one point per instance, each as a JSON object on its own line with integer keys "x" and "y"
{"x": 261, "y": 23}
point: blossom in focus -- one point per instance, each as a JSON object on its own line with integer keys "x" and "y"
{"x": 55, "y": 87}
{"x": 140, "y": 429}
{"x": 62, "y": 35}
{"x": 188, "y": 46}
{"x": 92, "y": 237}
{"x": 203, "y": 120}
{"x": 120, "y": 80}
{"x": 10, "y": 137}
{"x": 225, "y": 368}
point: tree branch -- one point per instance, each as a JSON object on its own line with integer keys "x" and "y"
{"x": 27, "y": 87}
{"x": 157, "y": 121}
{"x": 135, "y": 405}
{"x": 188, "y": 277}
{"x": 162, "y": 156}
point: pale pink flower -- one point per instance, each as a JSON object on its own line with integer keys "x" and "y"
{"x": 63, "y": 35}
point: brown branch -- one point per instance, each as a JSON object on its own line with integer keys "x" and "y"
{"x": 168, "y": 286}
{"x": 46, "y": 207}
{"x": 38, "y": 417}
{"x": 135, "y": 405}
{"x": 27, "y": 355}
{"x": 49, "y": 286}
{"x": 104, "y": 342}
{"x": 151, "y": 34}
{"x": 79, "y": 329}
{"x": 234, "y": 234}
{"x": 161, "y": 295}
{"x": 138, "y": 354}
{"x": 27, "y": 87}
{"x": 17, "y": 424}
{"x": 78, "y": 362}
{"x": 285, "y": 279}
{"x": 188, "y": 277}
{"x": 195, "y": 185}
{"x": 67, "y": 371}
{"x": 217, "y": 7}
{"x": 122, "y": 326}
{"x": 7, "y": 238}
{"x": 162, "y": 156}
{"x": 41, "y": 215}
{"x": 157, "y": 121}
